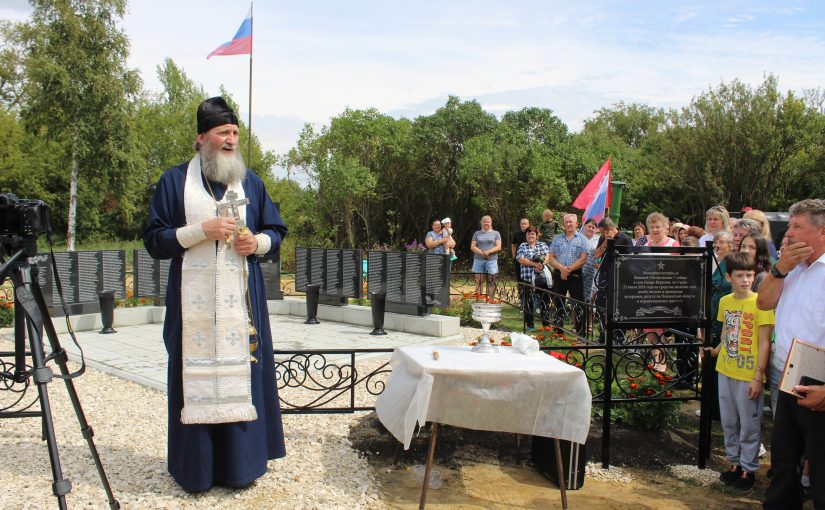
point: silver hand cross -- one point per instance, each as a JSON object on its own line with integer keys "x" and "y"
{"x": 232, "y": 203}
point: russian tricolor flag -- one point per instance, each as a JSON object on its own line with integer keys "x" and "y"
{"x": 241, "y": 44}
{"x": 595, "y": 197}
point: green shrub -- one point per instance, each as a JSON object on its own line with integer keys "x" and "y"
{"x": 652, "y": 415}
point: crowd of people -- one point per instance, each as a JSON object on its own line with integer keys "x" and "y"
{"x": 763, "y": 297}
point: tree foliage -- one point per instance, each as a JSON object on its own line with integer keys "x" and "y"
{"x": 78, "y": 94}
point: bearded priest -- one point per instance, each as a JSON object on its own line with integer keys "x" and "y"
{"x": 213, "y": 217}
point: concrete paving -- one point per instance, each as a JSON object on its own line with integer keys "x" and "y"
{"x": 136, "y": 352}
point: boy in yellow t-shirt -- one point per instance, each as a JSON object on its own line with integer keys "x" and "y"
{"x": 743, "y": 358}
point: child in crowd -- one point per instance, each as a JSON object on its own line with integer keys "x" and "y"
{"x": 447, "y": 225}
{"x": 549, "y": 227}
{"x": 743, "y": 354}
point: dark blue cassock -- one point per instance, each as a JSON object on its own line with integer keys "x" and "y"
{"x": 231, "y": 454}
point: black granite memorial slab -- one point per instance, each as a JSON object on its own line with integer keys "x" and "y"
{"x": 336, "y": 271}
{"x": 66, "y": 263}
{"x": 113, "y": 272}
{"x": 89, "y": 275}
{"x": 412, "y": 282}
{"x": 83, "y": 275}
{"x": 658, "y": 289}
{"x": 351, "y": 273}
{"x": 146, "y": 276}
{"x": 437, "y": 280}
{"x": 150, "y": 277}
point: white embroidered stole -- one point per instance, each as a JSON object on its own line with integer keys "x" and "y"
{"x": 216, "y": 370}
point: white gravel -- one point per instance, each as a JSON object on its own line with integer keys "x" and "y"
{"x": 614, "y": 474}
{"x": 321, "y": 469}
{"x": 690, "y": 473}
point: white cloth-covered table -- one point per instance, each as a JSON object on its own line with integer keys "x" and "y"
{"x": 506, "y": 392}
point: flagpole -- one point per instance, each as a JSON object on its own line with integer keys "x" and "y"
{"x": 249, "y": 124}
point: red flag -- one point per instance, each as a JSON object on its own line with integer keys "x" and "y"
{"x": 589, "y": 192}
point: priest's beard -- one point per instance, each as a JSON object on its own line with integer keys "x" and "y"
{"x": 219, "y": 167}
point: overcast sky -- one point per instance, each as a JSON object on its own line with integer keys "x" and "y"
{"x": 312, "y": 59}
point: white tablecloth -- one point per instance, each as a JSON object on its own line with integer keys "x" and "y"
{"x": 505, "y": 392}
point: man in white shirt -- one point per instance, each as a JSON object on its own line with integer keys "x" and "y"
{"x": 796, "y": 289}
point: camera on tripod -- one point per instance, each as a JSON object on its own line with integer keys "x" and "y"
{"x": 24, "y": 217}
{"x": 20, "y": 222}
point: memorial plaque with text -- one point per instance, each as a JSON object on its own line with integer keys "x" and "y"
{"x": 146, "y": 276}
{"x": 301, "y": 265}
{"x": 113, "y": 272}
{"x": 163, "y": 275}
{"x": 88, "y": 275}
{"x": 376, "y": 272}
{"x": 394, "y": 277}
{"x": 351, "y": 273}
{"x": 66, "y": 263}
{"x": 658, "y": 289}
{"x": 316, "y": 266}
{"x": 332, "y": 283}
{"x": 45, "y": 278}
{"x": 412, "y": 278}
{"x": 438, "y": 280}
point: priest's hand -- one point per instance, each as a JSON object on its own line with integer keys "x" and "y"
{"x": 245, "y": 244}
{"x": 219, "y": 229}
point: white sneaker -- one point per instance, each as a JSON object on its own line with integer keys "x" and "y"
{"x": 762, "y": 450}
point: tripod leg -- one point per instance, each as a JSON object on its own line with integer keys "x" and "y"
{"x": 42, "y": 375}
{"x": 37, "y": 310}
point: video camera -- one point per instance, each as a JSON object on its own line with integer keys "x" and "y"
{"x": 22, "y": 217}
{"x": 20, "y": 222}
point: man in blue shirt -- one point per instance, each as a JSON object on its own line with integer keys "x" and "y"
{"x": 568, "y": 254}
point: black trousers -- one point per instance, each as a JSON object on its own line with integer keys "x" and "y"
{"x": 574, "y": 285}
{"x": 533, "y": 298}
{"x": 796, "y": 430}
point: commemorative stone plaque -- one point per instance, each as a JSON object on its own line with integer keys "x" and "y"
{"x": 351, "y": 273}
{"x": 376, "y": 271}
{"x": 412, "y": 278}
{"x": 394, "y": 276}
{"x": 412, "y": 282}
{"x": 146, "y": 275}
{"x": 66, "y": 263}
{"x": 83, "y": 275}
{"x": 438, "y": 280}
{"x": 658, "y": 288}
{"x": 113, "y": 272}
{"x": 336, "y": 271}
{"x": 88, "y": 275}
{"x": 332, "y": 283}
{"x": 316, "y": 266}
{"x": 163, "y": 275}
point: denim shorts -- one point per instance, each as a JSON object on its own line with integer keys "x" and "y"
{"x": 485, "y": 266}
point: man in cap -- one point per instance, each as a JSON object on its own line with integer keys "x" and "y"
{"x": 213, "y": 217}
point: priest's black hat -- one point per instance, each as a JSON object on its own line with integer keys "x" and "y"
{"x": 214, "y": 112}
